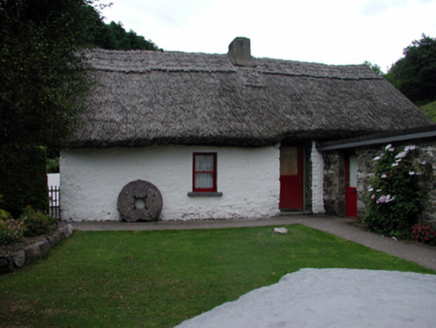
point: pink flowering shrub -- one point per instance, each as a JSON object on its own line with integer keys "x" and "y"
{"x": 11, "y": 231}
{"x": 394, "y": 199}
{"x": 424, "y": 233}
{"x": 31, "y": 223}
{"x": 35, "y": 222}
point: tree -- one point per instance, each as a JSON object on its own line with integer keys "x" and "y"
{"x": 415, "y": 74}
{"x": 374, "y": 67}
{"x": 44, "y": 81}
{"x": 113, "y": 36}
{"x": 43, "y": 70}
{"x": 44, "y": 74}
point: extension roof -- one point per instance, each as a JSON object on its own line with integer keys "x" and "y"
{"x": 149, "y": 98}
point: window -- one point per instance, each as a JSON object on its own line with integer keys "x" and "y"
{"x": 204, "y": 172}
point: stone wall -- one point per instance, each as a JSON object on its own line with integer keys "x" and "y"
{"x": 307, "y": 178}
{"x": 365, "y": 170}
{"x": 334, "y": 177}
{"x": 334, "y": 183}
{"x": 428, "y": 154}
{"x": 27, "y": 254}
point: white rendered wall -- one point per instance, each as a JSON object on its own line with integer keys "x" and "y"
{"x": 317, "y": 180}
{"x": 91, "y": 180}
{"x": 53, "y": 180}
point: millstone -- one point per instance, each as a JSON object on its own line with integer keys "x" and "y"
{"x": 140, "y": 201}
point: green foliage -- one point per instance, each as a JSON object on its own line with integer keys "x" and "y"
{"x": 113, "y": 36}
{"x": 430, "y": 110}
{"x": 394, "y": 199}
{"x": 415, "y": 74}
{"x": 52, "y": 165}
{"x": 5, "y": 215}
{"x": 23, "y": 178}
{"x": 424, "y": 233}
{"x": 31, "y": 223}
{"x": 374, "y": 67}
{"x": 36, "y": 223}
{"x": 44, "y": 81}
{"x": 44, "y": 76}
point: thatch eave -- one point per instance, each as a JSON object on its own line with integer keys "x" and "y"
{"x": 224, "y": 141}
{"x": 148, "y": 98}
{"x": 213, "y": 142}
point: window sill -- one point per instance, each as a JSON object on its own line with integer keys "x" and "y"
{"x": 205, "y": 194}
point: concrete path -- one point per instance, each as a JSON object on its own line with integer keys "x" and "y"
{"x": 341, "y": 227}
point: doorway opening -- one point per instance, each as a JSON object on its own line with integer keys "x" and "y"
{"x": 291, "y": 178}
{"x": 350, "y": 186}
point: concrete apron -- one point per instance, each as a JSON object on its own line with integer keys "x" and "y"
{"x": 341, "y": 227}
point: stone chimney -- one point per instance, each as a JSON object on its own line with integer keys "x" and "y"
{"x": 240, "y": 52}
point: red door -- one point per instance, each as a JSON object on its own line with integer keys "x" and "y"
{"x": 350, "y": 186}
{"x": 291, "y": 178}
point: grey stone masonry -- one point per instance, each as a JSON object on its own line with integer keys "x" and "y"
{"x": 334, "y": 183}
{"x": 366, "y": 169}
{"x": 31, "y": 253}
{"x": 428, "y": 156}
{"x": 334, "y": 177}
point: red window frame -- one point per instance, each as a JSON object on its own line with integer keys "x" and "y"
{"x": 214, "y": 173}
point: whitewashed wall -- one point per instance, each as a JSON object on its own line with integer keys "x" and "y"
{"x": 317, "y": 180}
{"x": 91, "y": 180}
{"x": 53, "y": 180}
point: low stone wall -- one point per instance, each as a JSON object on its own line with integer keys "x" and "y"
{"x": 30, "y": 253}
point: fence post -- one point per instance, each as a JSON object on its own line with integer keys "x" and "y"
{"x": 55, "y": 201}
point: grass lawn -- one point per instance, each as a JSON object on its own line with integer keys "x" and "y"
{"x": 160, "y": 278}
{"x": 430, "y": 110}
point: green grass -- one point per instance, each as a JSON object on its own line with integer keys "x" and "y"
{"x": 160, "y": 278}
{"x": 430, "y": 110}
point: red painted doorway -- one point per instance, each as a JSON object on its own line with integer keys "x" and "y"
{"x": 291, "y": 178}
{"x": 350, "y": 186}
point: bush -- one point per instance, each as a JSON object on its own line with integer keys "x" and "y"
{"x": 23, "y": 178}
{"x": 424, "y": 233}
{"x": 36, "y": 223}
{"x": 4, "y": 215}
{"x": 11, "y": 231}
{"x": 394, "y": 199}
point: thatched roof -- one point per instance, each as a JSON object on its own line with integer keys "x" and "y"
{"x": 145, "y": 98}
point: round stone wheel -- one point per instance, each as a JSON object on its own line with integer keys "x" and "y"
{"x": 140, "y": 201}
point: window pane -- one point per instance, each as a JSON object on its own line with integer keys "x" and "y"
{"x": 353, "y": 171}
{"x": 289, "y": 161}
{"x": 203, "y": 180}
{"x": 203, "y": 163}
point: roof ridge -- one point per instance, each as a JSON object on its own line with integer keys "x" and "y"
{"x": 147, "y": 61}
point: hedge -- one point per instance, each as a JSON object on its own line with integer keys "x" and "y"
{"x": 23, "y": 178}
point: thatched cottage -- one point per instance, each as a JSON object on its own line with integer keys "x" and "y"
{"x": 220, "y": 135}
